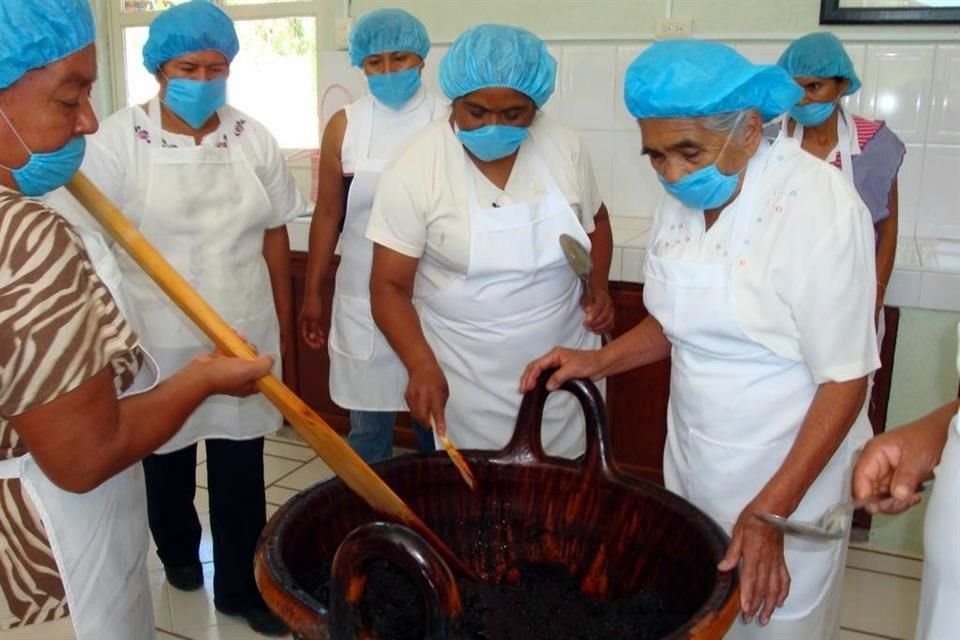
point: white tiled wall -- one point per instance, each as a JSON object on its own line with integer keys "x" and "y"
{"x": 915, "y": 88}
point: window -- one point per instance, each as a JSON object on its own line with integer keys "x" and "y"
{"x": 273, "y": 78}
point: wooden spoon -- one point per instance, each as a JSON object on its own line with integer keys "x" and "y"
{"x": 455, "y": 457}
{"x": 331, "y": 447}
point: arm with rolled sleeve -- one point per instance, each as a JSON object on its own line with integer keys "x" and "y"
{"x": 832, "y": 300}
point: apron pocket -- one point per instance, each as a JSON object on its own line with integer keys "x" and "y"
{"x": 352, "y": 327}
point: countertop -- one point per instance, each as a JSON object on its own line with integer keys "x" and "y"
{"x": 926, "y": 274}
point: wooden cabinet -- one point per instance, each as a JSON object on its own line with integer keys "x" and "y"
{"x": 636, "y": 400}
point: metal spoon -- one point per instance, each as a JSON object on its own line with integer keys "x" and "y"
{"x": 582, "y": 265}
{"x": 829, "y": 526}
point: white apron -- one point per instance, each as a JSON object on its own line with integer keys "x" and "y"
{"x": 735, "y": 410}
{"x": 518, "y": 299}
{"x": 365, "y": 373}
{"x": 844, "y": 125}
{"x": 205, "y": 210}
{"x": 939, "y": 615}
{"x": 99, "y": 538}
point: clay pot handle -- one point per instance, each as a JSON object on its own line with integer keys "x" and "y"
{"x": 410, "y": 552}
{"x": 526, "y": 445}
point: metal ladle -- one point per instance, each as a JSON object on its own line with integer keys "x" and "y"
{"x": 582, "y": 265}
{"x": 829, "y": 526}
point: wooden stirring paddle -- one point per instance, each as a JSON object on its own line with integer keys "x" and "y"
{"x": 335, "y": 452}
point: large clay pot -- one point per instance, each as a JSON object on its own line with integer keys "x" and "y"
{"x": 617, "y": 534}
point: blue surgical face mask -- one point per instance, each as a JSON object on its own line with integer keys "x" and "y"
{"x": 812, "y": 113}
{"x": 395, "y": 89}
{"x": 46, "y": 172}
{"x": 705, "y": 188}
{"x": 195, "y": 100}
{"x": 493, "y": 141}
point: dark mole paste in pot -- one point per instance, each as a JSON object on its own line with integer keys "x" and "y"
{"x": 546, "y": 604}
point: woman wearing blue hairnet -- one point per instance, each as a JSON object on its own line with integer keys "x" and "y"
{"x": 759, "y": 278}
{"x": 208, "y": 186}
{"x": 469, "y": 281}
{"x": 867, "y": 152}
{"x": 73, "y": 522}
{"x": 366, "y": 376}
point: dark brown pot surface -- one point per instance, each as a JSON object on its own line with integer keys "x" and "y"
{"x": 614, "y": 533}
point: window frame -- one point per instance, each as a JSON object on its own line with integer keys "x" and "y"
{"x": 119, "y": 20}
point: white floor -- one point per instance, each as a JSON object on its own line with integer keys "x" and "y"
{"x": 880, "y": 598}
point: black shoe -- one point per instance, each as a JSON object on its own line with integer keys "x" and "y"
{"x": 188, "y": 578}
{"x": 260, "y": 620}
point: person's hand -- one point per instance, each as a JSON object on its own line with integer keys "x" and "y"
{"x": 231, "y": 376}
{"x": 758, "y": 549}
{"x": 896, "y": 462}
{"x": 599, "y": 310}
{"x": 310, "y": 322}
{"x": 571, "y": 363}
{"x": 426, "y": 396}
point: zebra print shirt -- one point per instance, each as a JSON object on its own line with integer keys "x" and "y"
{"x": 59, "y": 326}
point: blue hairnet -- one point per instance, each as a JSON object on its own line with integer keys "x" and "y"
{"x": 690, "y": 79}
{"x": 192, "y": 26}
{"x": 820, "y": 55}
{"x": 492, "y": 55}
{"x": 387, "y": 30}
{"x": 34, "y": 33}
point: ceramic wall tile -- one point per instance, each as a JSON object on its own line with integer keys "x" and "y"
{"x": 599, "y": 145}
{"x": 587, "y": 84}
{"x": 944, "y": 127}
{"x": 939, "y": 211}
{"x": 636, "y": 191}
{"x": 897, "y": 88}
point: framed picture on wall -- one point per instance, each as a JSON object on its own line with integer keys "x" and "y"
{"x": 889, "y": 11}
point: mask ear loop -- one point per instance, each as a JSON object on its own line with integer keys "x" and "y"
{"x": 17, "y": 134}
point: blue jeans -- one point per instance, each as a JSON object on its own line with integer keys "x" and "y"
{"x": 371, "y": 434}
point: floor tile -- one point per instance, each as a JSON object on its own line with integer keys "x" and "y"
{"x": 225, "y": 628}
{"x": 884, "y": 562}
{"x": 309, "y": 474}
{"x": 288, "y": 450}
{"x": 163, "y": 635}
{"x": 190, "y": 610}
{"x": 276, "y": 468}
{"x": 880, "y": 604}
{"x": 201, "y": 452}
{"x": 161, "y": 601}
{"x": 202, "y": 475}
{"x": 850, "y": 634}
{"x": 278, "y": 495}
{"x": 201, "y": 500}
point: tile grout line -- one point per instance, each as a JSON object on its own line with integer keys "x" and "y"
{"x": 871, "y": 634}
{"x": 883, "y": 573}
{"x": 882, "y": 552}
{"x": 174, "y": 634}
{"x": 287, "y": 474}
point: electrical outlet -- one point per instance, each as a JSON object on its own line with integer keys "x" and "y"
{"x": 674, "y": 28}
{"x": 341, "y": 37}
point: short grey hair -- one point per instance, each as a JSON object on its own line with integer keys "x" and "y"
{"x": 726, "y": 122}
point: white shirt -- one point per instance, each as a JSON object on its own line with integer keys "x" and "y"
{"x": 389, "y": 126}
{"x": 805, "y": 281}
{"x": 421, "y": 205}
{"x": 118, "y": 155}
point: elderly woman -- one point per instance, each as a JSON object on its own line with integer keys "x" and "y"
{"x": 208, "y": 186}
{"x": 759, "y": 280}
{"x": 867, "y": 152}
{"x": 72, "y": 503}
{"x": 469, "y": 281}
{"x": 366, "y": 376}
